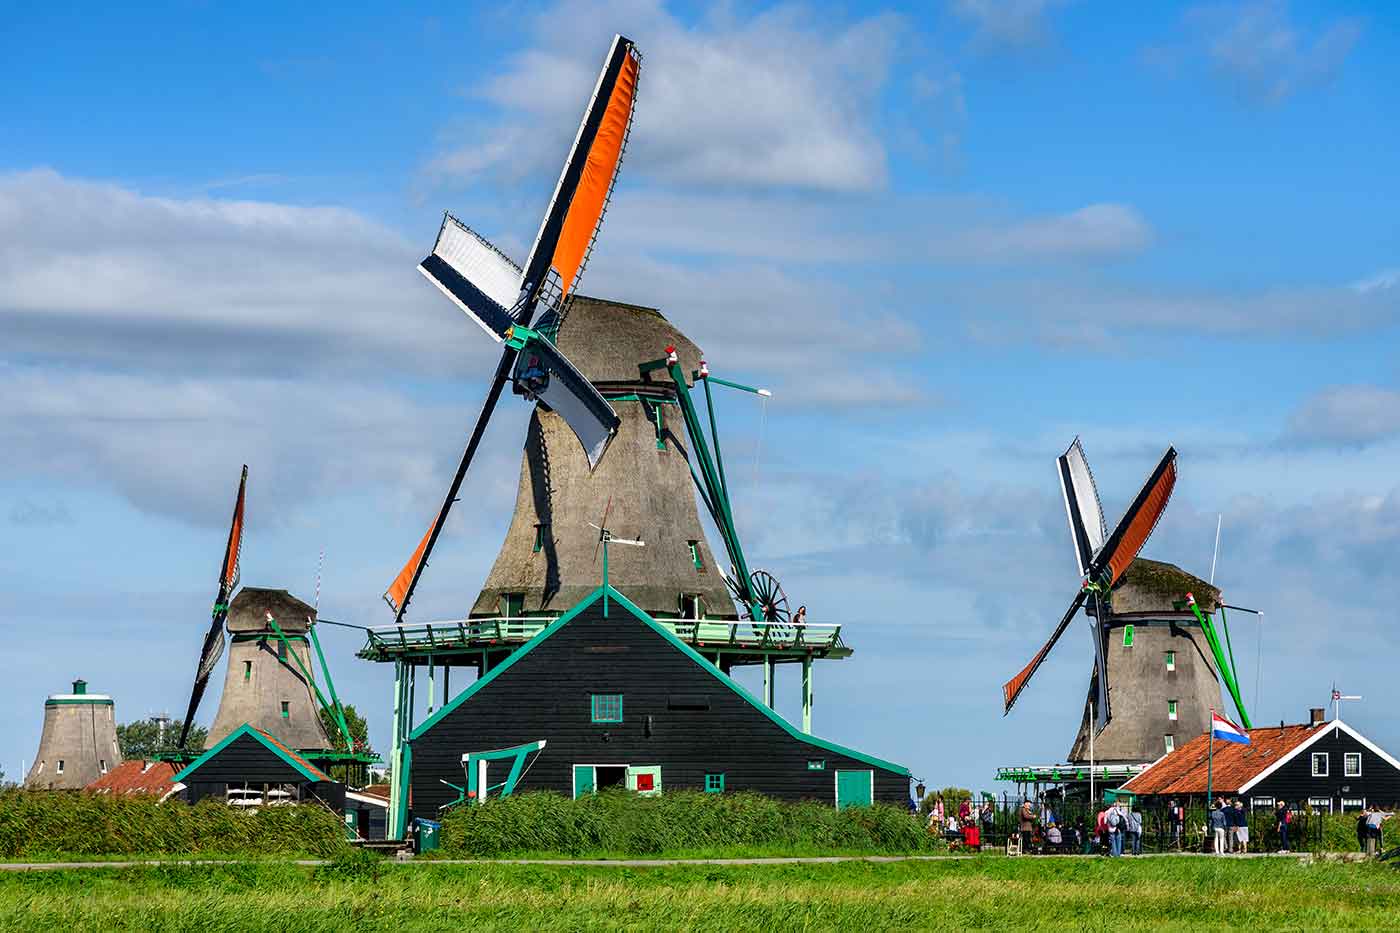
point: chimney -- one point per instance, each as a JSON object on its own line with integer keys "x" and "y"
{"x": 79, "y": 687}
{"x": 1318, "y": 715}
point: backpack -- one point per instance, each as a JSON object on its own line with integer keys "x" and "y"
{"x": 1114, "y": 819}
{"x": 1288, "y": 816}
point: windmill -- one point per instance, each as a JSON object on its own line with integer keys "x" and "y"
{"x": 1102, "y": 558}
{"x": 213, "y": 648}
{"x": 503, "y": 299}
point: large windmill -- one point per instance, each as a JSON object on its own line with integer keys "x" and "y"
{"x": 504, "y": 299}
{"x": 1156, "y": 653}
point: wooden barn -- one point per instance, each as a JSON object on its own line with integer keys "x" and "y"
{"x": 619, "y": 700}
{"x": 250, "y": 768}
{"x": 1326, "y": 765}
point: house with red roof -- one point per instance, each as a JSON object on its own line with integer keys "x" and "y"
{"x": 138, "y": 776}
{"x": 1327, "y": 765}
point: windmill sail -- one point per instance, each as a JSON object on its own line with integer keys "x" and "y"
{"x": 542, "y": 372}
{"x": 477, "y": 278}
{"x": 581, "y": 196}
{"x": 1120, "y": 549}
{"x": 1082, "y": 505}
{"x": 213, "y": 647}
{"x": 480, "y": 279}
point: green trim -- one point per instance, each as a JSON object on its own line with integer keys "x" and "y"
{"x": 82, "y": 702}
{"x": 267, "y": 636}
{"x": 714, "y": 782}
{"x": 247, "y": 729}
{"x": 606, "y": 715}
{"x": 1127, "y": 636}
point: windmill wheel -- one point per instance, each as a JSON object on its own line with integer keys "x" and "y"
{"x": 770, "y": 597}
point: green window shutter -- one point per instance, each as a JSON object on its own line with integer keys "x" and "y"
{"x": 1171, "y": 708}
{"x": 1171, "y": 660}
{"x": 539, "y": 538}
{"x": 247, "y": 671}
{"x": 695, "y": 555}
{"x": 714, "y": 783}
{"x": 606, "y": 707}
{"x": 1127, "y": 636}
{"x": 286, "y": 710}
{"x": 513, "y": 605}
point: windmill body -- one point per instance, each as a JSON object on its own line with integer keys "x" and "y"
{"x": 79, "y": 741}
{"x": 549, "y": 560}
{"x": 1162, "y": 680}
{"x": 264, "y": 685}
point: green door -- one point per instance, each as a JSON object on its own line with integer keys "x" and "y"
{"x": 583, "y": 780}
{"x": 854, "y": 789}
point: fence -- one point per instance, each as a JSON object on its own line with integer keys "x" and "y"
{"x": 1077, "y": 819}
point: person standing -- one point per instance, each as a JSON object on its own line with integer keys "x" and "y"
{"x": 1241, "y": 826}
{"x": 1217, "y": 826}
{"x": 1132, "y": 823}
{"x": 1026, "y": 824}
{"x": 935, "y": 815}
{"x": 1282, "y": 818}
{"x": 1115, "y": 822}
{"x": 1375, "y": 826}
{"x": 1176, "y": 816}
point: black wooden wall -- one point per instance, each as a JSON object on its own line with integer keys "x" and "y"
{"x": 245, "y": 759}
{"x": 546, "y": 695}
{"x": 1379, "y": 782}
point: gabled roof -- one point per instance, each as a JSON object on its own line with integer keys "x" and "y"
{"x": 614, "y": 597}
{"x": 300, "y": 764}
{"x": 1236, "y": 768}
{"x": 136, "y": 777}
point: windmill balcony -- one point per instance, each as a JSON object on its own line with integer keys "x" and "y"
{"x": 741, "y": 642}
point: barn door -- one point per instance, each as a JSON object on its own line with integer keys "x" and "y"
{"x": 583, "y": 780}
{"x": 854, "y": 789}
{"x": 645, "y": 780}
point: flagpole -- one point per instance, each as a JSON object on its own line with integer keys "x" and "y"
{"x": 1210, "y": 760}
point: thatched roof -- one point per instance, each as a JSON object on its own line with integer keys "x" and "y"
{"x": 1155, "y": 586}
{"x": 248, "y": 610}
{"x": 607, "y": 339}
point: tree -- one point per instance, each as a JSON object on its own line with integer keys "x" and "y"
{"x": 359, "y": 728}
{"x": 143, "y": 738}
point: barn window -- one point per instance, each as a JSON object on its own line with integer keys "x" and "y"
{"x": 1353, "y": 803}
{"x": 539, "y": 538}
{"x": 1171, "y": 660}
{"x": 102, "y": 765}
{"x": 1319, "y": 764}
{"x": 695, "y": 555}
{"x": 1127, "y": 636}
{"x": 714, "y": 783}
{"x": 1261, "y": 803}
{"x": 286, "y": 710}
{"x": 1321, "y": 803}
{"x": 1171, "y": 709}
{"x": 607, "y": 707}
{"x": 816, "y": 764}
{"x": 1351, "y": 764}
{"x": 1170, "y": 742}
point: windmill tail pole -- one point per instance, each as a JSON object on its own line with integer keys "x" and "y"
{"x": 488, "y": 406}
{"x": 1222, "y": 663}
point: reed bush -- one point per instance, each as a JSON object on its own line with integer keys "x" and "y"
{"x": 36, "y": 824}
{"x": 622, "y": 823}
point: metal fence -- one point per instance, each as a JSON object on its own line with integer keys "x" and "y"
{"x": 1077, "y": 820}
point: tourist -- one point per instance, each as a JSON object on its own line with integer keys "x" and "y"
{"x": 1217, "y": 826}
{"x": 1027, "y": 824}
{"x": 1132, "y": 825}
{"x": 965, "y": 813}
{"x": 1241, "y": 826}
{"x": 1115, "y": 821}
{"x": 801, "y": 616}
{"x": 935, "y": 814}
{"x": 1363, "y": 829}
{"x": 989, "y": 816}
{"x": 1176, "y": 815}
{"x": 1375, "y": 825}
{"x": 1283, "y": 817}
{"x": 1101, "y": 829}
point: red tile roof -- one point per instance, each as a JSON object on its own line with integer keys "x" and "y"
{"x": 375, "y": 790}
{"x": 1184, "y": 770}
{"x": 136, "y": 777}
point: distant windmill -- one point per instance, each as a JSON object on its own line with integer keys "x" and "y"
{"x": 1102, "y": 557}
{"x": 504, "y": 299}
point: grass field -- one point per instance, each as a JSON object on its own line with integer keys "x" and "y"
{"x": 1022, "y": 894}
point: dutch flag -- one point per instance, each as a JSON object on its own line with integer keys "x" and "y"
{"x": 1222, "y": 728}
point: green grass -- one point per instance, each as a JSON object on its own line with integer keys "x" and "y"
{"x": 1024, "y": 894}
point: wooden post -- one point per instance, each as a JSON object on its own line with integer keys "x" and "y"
{"x": 807, "y": 693}
{"x": 768, "y": 680}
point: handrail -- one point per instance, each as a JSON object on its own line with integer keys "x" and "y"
{"x": 442, "y": 635}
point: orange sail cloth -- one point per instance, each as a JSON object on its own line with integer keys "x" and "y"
{"x": 234, "y": 551}
{"x": 591, "y": 196}
{"x": 1154, "y": 500}
{"x": 399, "y": 588}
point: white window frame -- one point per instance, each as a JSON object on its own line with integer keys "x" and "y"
{"x": 1320, "y": 803}
{"x": 1171, "y": 661}
{"x": 1262, "y": 803}
{"x": 59, "y": 770}
{"x": 1326, "y": 759}
{"x": 1353, "y": 803}
{"x": 1172, "y": 708}
{"x": 1169, "y": 741}
{"x": 1347, "y": 759}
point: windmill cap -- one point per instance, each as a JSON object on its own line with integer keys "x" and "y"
{"x": 1158, "y": 587}
{"x": 248, "y": 611}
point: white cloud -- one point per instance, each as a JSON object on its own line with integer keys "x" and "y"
{"x": 1096, "y": 230}
{"x": 1259, "y": 49}
{"x": 1346, "y": 416}
{"x": 780, "y": 99}
{"x": 1006, "y": 22}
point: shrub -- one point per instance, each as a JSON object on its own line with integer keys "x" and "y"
{"x": 619, "y": 822}
{"x": 47, "y": 823}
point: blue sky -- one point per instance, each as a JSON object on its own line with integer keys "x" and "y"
{"x": 950, "y": 237}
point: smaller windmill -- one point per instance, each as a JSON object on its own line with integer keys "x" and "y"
{"x": 1102, "y": 557}
{"x": 503, "y": 299}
